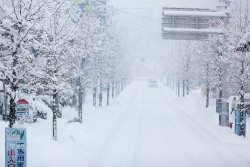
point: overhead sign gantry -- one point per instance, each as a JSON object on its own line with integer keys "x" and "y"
{"x": 190, "y": 23}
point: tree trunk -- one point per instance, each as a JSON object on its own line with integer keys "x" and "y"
{"x": 54, "y": 110}
{"x": 220, "y": 91}
{"x": 94, "y": 97}
{"x": 5, "y": 103}
{"x": 179, "y": 89}
{"x": 13, "y": 104}
{"x": 58, "y": 112}
{"x": 116, "y": 89}
{"x": 108, "y": 95}
{"x": 187, "y": 77}
{"x": 242, "y": 106}
{"x": 183, "y": 92}
{"x": 173, "y": 85}
{"x": 207, "y": 96}
{"x": 12, "y": 112}
{"x": 187, "y": 86}
{"x": 14, "y": 88}
{"x": 80, "y": 104}
{"x": 176, "y": 88}
{"x": 122, "y": 85}
{"x": 100, "y": 96}
{"x": 119, "y": 88}
{"x": 208, "y": 89}
{"x": 113, "y": 89}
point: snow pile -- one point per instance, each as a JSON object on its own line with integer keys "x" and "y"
{"x": 207, "y": 118}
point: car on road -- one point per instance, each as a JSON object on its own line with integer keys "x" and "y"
{"x": 152, "y": 83}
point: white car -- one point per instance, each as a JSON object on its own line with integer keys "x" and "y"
{"x": 152, "y": 83}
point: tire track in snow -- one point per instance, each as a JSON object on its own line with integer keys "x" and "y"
{"x": 118, "y": 147}
{"x": 158, "y": 144}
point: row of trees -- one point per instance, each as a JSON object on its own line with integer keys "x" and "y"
{"x": 221, "y": 61}
{"x": 57, "y": 46}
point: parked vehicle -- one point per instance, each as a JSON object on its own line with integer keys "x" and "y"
{"x": 152, "y": 83}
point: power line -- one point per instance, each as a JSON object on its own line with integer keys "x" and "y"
{"x": 145, "y": 18}
{"x": 143, "y": 30}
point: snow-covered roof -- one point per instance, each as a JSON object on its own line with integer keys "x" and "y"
{"x": 188, "y": 30}
{"x": 195, "y": 13}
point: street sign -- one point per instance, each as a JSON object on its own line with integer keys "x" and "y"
{"x": 218, "y": 104}
{"x": 15, "y": 147}
{"x": 240, "y": 122}
{"x": 22, "y": 108}
{"x": 189, "y": 23}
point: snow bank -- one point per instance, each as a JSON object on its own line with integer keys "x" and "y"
{"x": 194, "y": 105}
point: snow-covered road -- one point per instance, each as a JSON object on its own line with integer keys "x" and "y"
{"x": 144, "y": 127}
{"x": 155, "y": 132}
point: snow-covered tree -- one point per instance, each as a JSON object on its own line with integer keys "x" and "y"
{"x": 86, "y": 45}
{"x": 238, "y": 31}
{"x": 18, "y": 26}
{"x": 55, "y": 51}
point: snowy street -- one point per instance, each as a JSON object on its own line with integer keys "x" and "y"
{"x": 148, "y": 127}
{"x": 153, "y": 131}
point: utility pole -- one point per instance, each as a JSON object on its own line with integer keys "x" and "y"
{"x": 224, "y": 94}
{"x": 243, "y": 49}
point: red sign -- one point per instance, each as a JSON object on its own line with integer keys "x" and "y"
{"x": 22, "y": 101}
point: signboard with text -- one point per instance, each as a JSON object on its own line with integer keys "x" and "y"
{"x": 22, "y": 108}
{"x": 15, "y": 147}
{"x": 240, "y": 122}
{"x": 190, "y": 23}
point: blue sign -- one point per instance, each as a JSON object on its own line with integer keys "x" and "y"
{"x": 218, "y": 105}
{"x": 238, "y": 122}
{"x": 15, "y": 147}
{"x": 22, "y": 110}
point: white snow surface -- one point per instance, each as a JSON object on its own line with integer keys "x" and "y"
{"x": 144, "y": 127}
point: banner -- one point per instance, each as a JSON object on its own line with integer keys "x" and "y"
{"x": 15, "y": 147}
